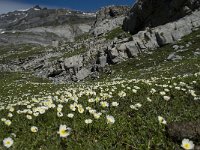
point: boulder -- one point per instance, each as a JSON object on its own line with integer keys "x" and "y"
{"x": 180, "y": 130}
{"x": 173, "y": 56}
{"x": 82, "y": 74}
{"x": 132, "y": 49}
{"x": 73, "y": 62}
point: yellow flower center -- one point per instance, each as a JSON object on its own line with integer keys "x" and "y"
{"x": 62, "y": 132}
{"x": 187, "y": 146}
{"x": 8, "y": 142}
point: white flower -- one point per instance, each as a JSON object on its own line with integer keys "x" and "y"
{"x": 148, "y": 99}
{"x": 162, "y": 120}
{"x": 134, "y": 90}
{"x": 115, "y": 104}
{"x": 8, "y": 142}
{"x": 162, "y": 93}
{"x": 34, "y": 129}
{"x": 35, "y": 114}
{"x": 153, "y": 91}
{"x": 167, "y": 98}
{"x": 92, "y": 111}
{"x": 91, "y": 100}
{"x": 10, "y": 115}
{"x": 166, "y": 90}
{"x": 72, "y": 107}
{"x": 29, "y": 117}
{"x": 59, "y": 114}
{"x": 80, "y": 109}
{"x": 3, "y": 119}
{"x": 104, "y": 104}
{"x": 8, "y": 122}
{"x": 97, "y": 115}
{"x": 136, "y": 87}
{"x": 70, "y": 115}
{"x": 88, "y": 108}
{"x": 64, "y": 131}
{"x": 187, "y": 144}
{"x": 122, "y": 94}
{"x": 138, "y": 105}
{"x": 59, "y": 109}
{"x": 110, "y": 119}
{"x": 88, "y": 121}
{"x": 133, "y": 107}
{"x": 60, "y": 106}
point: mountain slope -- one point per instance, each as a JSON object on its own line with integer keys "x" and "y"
{"x": 28, "y": 26}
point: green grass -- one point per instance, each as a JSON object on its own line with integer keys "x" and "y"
{"x": 78, "y": 51}
{"x": 117, "y": 32}
{"x": 82, "y": 37}
{"x": 133, "y": 129}
{"x": 21, "y": 51}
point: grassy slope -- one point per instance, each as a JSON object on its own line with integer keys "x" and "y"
{"x": 133, "y": 129}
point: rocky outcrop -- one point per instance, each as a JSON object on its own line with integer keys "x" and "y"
{"x": 152, "y": 13}
{"x": 110, "y": 12}
{"x": 109, "y": 18}
{"x": 152, "y": 38}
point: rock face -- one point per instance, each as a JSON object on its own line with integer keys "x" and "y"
{"x": 152, "y": 38}
{"x": 109, "y": 18}
{"x": 146, "y": 13}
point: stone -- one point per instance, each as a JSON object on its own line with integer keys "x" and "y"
{"x": 83, "y": 73}
{"x": 132, "y": 49}
{"x": 73, "y": 62}
{"x": 175, "y": 47}
{"x": 180, "y": 130}
{"x": 102, "y": 60}
{"x": 173, "y": 56}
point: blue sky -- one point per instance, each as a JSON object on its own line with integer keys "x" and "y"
{"x": 84, "y": 5}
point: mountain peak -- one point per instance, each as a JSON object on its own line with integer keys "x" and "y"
{"x": 37, "y": 7}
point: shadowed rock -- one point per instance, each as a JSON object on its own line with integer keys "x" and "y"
{"x": 180, "y": 130}
{"x": 152, "y": 13}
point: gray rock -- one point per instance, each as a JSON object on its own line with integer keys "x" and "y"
{"x": 107, "y": 25}
{"x": 173, "y": 57}
{"x": 132, "y": 49}
{"x": 73, "y": 62}
{"x": 109, "y": 18}
{"x": 102, "y": 60}
{"x": 147, "y": 13}
{"x": 180, "y": 130}
{"x": 111, "y": 12}
{"x": 196, "y": 53}
{"x": 175, "y": 47}
{"x": 83, "y": 73}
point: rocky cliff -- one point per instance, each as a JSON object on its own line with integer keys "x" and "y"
{"x": 108, "y": 18}
{"x": 152, "y": 13}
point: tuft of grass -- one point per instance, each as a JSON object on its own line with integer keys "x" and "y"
{"x": 117, "y": 32}
{"x": 78, "y": 51}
